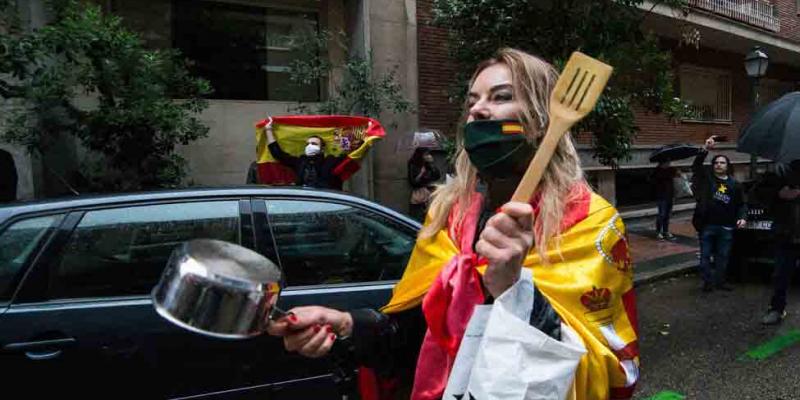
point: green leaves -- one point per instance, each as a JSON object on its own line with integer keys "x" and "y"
{"x": 605, "y": 29}
{"x": 146, "y": 100}
{"x": 358, "y": 91}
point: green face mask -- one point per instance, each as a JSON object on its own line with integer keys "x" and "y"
{"x": 497, "y": 148}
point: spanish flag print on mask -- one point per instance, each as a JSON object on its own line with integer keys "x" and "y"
{"x": 343, "y": 135}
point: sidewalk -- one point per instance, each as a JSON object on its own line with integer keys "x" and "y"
{"x": 655, "y": 259}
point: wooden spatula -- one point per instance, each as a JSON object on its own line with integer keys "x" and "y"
{"x": 574, "y": 96}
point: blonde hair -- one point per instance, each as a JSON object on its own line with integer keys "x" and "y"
{"x": 532, "y": 82}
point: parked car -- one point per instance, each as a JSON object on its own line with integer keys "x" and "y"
{"x": 76, "y": 275}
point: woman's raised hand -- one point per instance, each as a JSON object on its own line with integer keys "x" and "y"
{"x": 504, "y": 242}
{"x": 312, "y": 330}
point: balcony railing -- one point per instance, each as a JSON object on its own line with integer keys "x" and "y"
{"x": 758, "y": 13}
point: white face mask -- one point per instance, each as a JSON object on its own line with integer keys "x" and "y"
{"x": 312, "y": 149}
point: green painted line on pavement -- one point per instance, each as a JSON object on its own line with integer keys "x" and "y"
{"x": 666, "y": 395}
{"x": 775, "y": 345}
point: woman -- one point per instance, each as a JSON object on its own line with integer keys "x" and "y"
{"x": 475, "y": 243}
{"x": 422, "y": 173}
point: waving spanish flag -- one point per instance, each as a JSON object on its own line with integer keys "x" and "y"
{"x": 345, "y": 136}
{"x": 589, "y": 283}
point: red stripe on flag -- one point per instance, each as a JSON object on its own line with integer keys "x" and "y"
{"x": 275, "y": 174}
{"x": 629, "y": 301}
{"x": 628, "y": 352}
{"x": 328, "y": 121}
{"x": 346, "y": 168}
{"x": 622, "y": 393}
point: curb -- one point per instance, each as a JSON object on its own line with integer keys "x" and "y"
{"x": 664, "y": 273}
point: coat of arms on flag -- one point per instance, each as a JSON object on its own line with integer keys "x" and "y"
{"x": 347, "y": 138}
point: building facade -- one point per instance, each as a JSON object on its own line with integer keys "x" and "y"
{"x": 711, "y": 77}
{"x": 237, "y": 45}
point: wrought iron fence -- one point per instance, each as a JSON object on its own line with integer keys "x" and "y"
{"x": 758, "y": 13}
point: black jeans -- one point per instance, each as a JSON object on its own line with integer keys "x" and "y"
{"x": 715, "y": 240}
{"x": 664, "y": 211}
{"x": 786, "y": 255}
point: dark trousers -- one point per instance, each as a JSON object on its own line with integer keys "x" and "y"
{"x": 715, "y": 240}
{"x": 786, "y": 255}
{"x": 664, "y": 211}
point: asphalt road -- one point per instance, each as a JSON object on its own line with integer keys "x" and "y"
{"x": 696, "y": 344}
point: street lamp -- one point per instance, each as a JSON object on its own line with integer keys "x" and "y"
{"x": 755, "y": 63}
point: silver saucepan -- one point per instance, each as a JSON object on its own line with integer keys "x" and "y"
{"x": 218, "y": 289}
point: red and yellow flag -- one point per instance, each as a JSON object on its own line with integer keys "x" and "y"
{"x": 588, "y": 281}
{"x": 344, "y": 135}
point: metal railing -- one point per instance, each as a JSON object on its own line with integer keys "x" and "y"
{"x": 758, "y": 13}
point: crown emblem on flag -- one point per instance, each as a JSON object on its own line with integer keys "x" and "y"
{"x": 596, "y": 299}
{"x": 349, "y": 138}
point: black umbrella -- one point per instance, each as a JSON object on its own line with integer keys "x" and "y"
{"x": 774, "y": 132}
{"x": 672, "y": 152}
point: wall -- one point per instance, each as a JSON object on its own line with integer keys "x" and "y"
{"x": 436, "y": 74}
{"x": 393, "y": 40}
{"x": 790, "y": 22}
{"x": 657, "y": 129}
{"x": 224, "y": 156}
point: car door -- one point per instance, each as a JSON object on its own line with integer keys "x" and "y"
{"x": 333, "y": 253}
{"x": 83, "y": 321}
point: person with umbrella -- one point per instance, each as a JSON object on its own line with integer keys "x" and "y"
{"x": 720, "y": 209}
{"x": 663, "y": 182}
{"x": 663, "y": 178}
{"x": 782, "y": 191}
{"x": 773, "y": 134}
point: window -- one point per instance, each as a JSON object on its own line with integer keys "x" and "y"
{"x": 17, "y": 243}
{"x": 327, "y": 243}
{"x": 122, "y": 251}
{"x": 708, "y": 91}
{"x": 245, "y": 51}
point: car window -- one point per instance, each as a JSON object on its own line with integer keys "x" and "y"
{"x": 17, "y": 243}
{"x": 325, "y": 243}
{"x": 122, "y": 251}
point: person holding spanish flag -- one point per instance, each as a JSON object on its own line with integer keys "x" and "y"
{"x": 474, "y": 243}
{"x": 320, "y": 151}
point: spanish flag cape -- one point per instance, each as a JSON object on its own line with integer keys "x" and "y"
{"x": 347, "y": 137}
{"x": 589, "y": 283}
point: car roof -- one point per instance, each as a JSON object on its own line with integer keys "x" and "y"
{"x": 10, "y": 210}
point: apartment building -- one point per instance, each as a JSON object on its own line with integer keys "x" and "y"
{"x": 710, "y": 76}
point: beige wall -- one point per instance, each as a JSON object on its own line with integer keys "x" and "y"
{"x": 393, "y": 40}
{"x": 223, "y": 157}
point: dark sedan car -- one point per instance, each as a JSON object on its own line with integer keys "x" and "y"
{"x": 75, "y": 277}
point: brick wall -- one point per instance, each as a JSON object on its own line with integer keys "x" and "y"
{"x": 790, "y": 21}
{"x": 436, "y": 74}
{"x": 656, "y": 129}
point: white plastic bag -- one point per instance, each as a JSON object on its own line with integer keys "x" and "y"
{"x": 502, "y": 357}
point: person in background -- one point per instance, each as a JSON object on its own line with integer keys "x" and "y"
{"x": 252, "y": 174}
{"x": 720, "y": 209}
{"x": 314, "y": 168}
{"x": 785, "y": 207}
{"x": 663, "y": 182}
{"x": 422, "y": 174}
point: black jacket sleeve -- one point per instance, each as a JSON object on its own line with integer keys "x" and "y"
{"x": 283, "y": 157}
{"x": 389, "y": 344}
{"x": 697, "y": 166}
